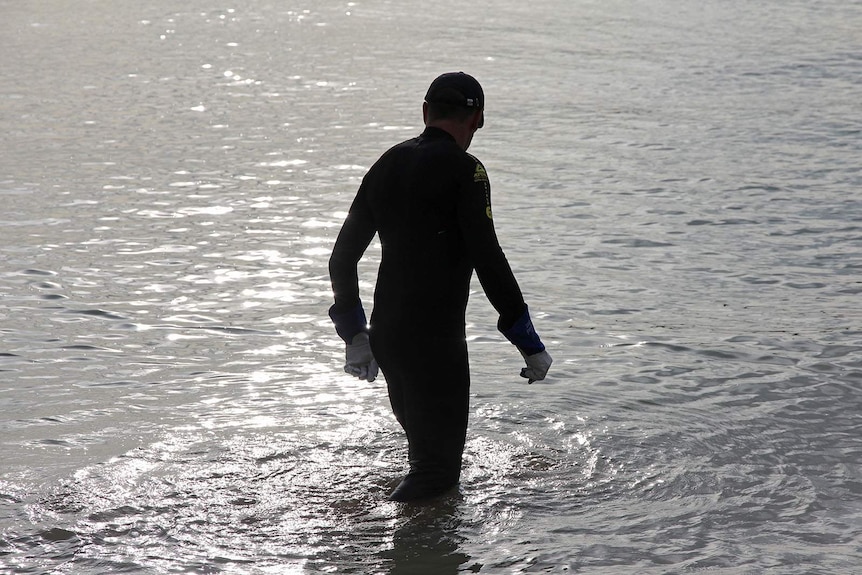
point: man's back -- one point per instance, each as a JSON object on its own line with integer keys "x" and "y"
{"x": 413, "y": 194}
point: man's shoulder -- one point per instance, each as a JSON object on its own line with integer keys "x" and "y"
{"x": 474, "y": 159}
{"x": 479, "y": 172}
{"x": 394, "y": 153}
{"x": 405, "y": 145}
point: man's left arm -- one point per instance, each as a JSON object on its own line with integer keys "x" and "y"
{"x": 347, "y": 312}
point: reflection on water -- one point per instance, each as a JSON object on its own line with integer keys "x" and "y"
{"x": 241, "y": 494}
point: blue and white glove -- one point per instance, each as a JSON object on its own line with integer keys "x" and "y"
{"x": 523, "y": 335}
{"x": 352, "y": 327}
{"x": 537, "y": 366}
{"x": 359, "y": 361}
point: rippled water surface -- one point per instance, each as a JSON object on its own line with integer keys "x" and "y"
{"x": 677, "y": 187}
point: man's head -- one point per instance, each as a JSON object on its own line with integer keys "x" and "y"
{"x": 455, "y": 102}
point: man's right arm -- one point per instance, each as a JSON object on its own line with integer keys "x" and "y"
{"x": 495, "y": 274}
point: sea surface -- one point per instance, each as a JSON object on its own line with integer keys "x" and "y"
{"x": 677, "y": 185}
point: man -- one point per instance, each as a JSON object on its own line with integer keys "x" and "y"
{"x": 430, "y": 202}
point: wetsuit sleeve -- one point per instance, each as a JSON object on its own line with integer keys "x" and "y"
{"x": 477, "y": 228}
{"x": 353, "y": 239}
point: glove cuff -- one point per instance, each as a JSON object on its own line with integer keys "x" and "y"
{"x": 523, "y": 335}
{"x": 349, "y": 323}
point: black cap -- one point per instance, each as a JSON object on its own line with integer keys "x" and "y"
{"x": 457, "y": 89}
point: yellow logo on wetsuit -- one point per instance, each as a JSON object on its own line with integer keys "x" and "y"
{"x": 480, "y": 175}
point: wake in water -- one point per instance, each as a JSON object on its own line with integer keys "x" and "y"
{"x": 311, "y": 500}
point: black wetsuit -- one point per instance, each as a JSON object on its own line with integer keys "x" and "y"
{"x": 430, "y": 203}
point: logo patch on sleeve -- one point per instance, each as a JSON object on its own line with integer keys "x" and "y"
{"x": 480, "y": 175}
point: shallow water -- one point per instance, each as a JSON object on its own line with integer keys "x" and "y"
{"x": 676, "y": 188}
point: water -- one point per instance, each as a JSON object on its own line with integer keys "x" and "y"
{"x": 676, "y": 186}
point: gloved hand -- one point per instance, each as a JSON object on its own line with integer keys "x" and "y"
{"x": 537, "y": 366}
{"x": 359, "y": 360}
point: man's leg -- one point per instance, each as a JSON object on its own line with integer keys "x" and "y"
{"x": 429, "y": 389}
